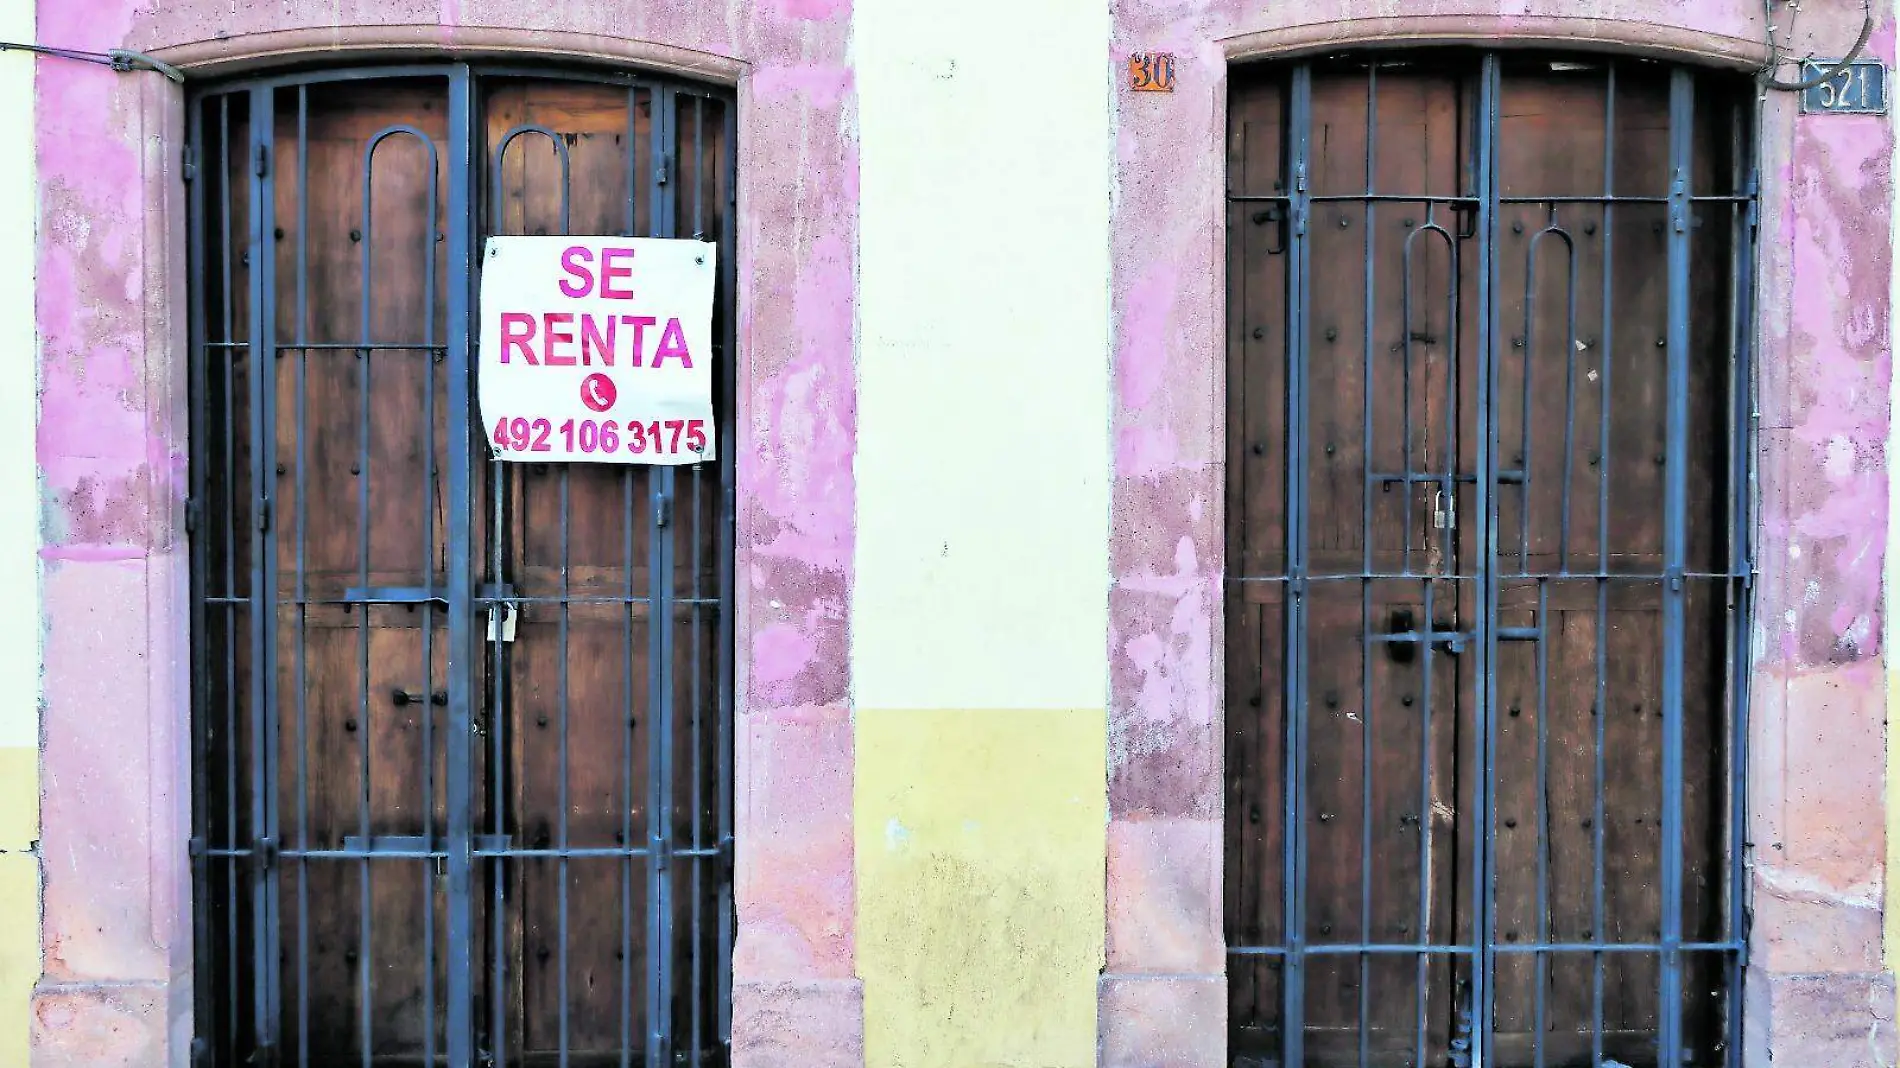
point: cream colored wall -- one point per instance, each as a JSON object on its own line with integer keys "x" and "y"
{"x": 19, "y": 547}
{"x": 979, "y": 613}
{"x": 983, "y": 448}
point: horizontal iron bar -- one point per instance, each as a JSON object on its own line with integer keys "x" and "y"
{"x": 1337, "y": 949}
{"x": 393, "y": 595}
{"x": 396, "y": 845}
{"x": 588, "y": 852}
{"x": 1341, "y": 198}
{"x": 1419, "y": 476}
{"x": 1514, "y": 576}
{"x": 1616, "y": 947}
{"x": 556, "y": 600}
{"x": 414, "y": 847}
{"x": 1413, "y": 637}
{"x": 694, "y": 602}
{"x": 1711, "y": 198}
{"x": 358, "y": 346}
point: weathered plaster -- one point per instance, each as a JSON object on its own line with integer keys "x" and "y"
{"x": 111, "y": 449}
{"x": 19, "y": 560}
{"x": 1824, "y": 386}
{"x": 978, "y": 673}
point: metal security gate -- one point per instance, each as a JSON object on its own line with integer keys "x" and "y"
{"x": 1488, "y": 552}
{"x": 462, "y": 729}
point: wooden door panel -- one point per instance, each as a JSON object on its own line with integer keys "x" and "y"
{"x": 367, "y": 762}
{"x": 1255, "y": 824}
{"x": 1573, "y": 764}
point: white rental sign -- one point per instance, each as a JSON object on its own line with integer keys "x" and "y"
{"x": 597, "y": 349}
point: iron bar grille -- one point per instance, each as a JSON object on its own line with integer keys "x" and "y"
{"x": 1488, "y": 571}
{"x": 462, "y": 730}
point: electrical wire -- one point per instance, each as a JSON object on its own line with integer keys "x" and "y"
{"x": 1767, "y": 77}
{"x": 119, "y": 59}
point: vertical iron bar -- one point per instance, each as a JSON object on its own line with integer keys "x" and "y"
{"x": 1523, "y": 459}
{"x": 1541, "y": 965}
{"x": 197, "y": 522}
{"x": 1675, "y": 492}
{"x": 728, "y": 511}
{"x": 501, "y": 478}
{"x": 462, "y": 655}
{"x": 367, "y": 356}
{"x": 564, "y": 842}
{"x": 303, "y": 585}
{"x": 263, "y": 681}
{"x": 563, "y": 832}
{"x": 1605, "y": 343}
{"x": 426, "y": 713}
{"x": 1741, "y": 563}
{"x": 1570, "y": 393}
{"x": 660, "y": 660}
{"x": 631, "y": 513}
{"x": 1365, "y": 582}
{"x": 1422, "y": 961}
{"x": 1597, "y": 917}
{"x": 693, "y": 614}
{"x": 1294, "y": 860}
{"x": 1487, "y": 122}
{"x": 229, "y": 535}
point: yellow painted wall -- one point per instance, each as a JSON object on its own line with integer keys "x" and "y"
{"x": 979, "y": 848}
{"x": 980, "y": 607}
{"x": 19, "y": 549}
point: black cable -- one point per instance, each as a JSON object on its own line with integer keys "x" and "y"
{"x": 1769, "y": 81}
{"x": 119, "y": 59}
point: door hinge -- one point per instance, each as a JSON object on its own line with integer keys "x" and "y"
{"x": 193, "y": 514}
{"x": 663, "y": 173}
{"x": 263, "y": 161}
{"x": 263, "y": 514}
{"x": 190, "y": 162}
{"x": 662, "y": 510}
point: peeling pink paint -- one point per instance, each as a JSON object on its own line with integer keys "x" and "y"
{"x": 825, "y": 86}
{"x": 779, "y": 652}
{"x": 817, "y": 10}
{"x": 111, "y": 453}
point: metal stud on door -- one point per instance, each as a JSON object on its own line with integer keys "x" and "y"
{"x": 462, "y": 733}
{"x": 1488, "y": 564}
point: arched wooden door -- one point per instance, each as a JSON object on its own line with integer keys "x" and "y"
{"x": 463, "y": 729}
{"x": 1488, "y": 446}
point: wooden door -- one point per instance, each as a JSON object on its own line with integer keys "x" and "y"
{"x": 361, "y": 523}
{"x": 561, "y": 784}
{"x": 610, "y": 714}
{"x": 1446, "y": 619}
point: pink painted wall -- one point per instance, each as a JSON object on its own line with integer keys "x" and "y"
{"x": 1818, "y": 994}
{"x": 111, "y": 449}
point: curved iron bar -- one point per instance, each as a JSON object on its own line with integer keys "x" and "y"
{"x": 560, "y": 150}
